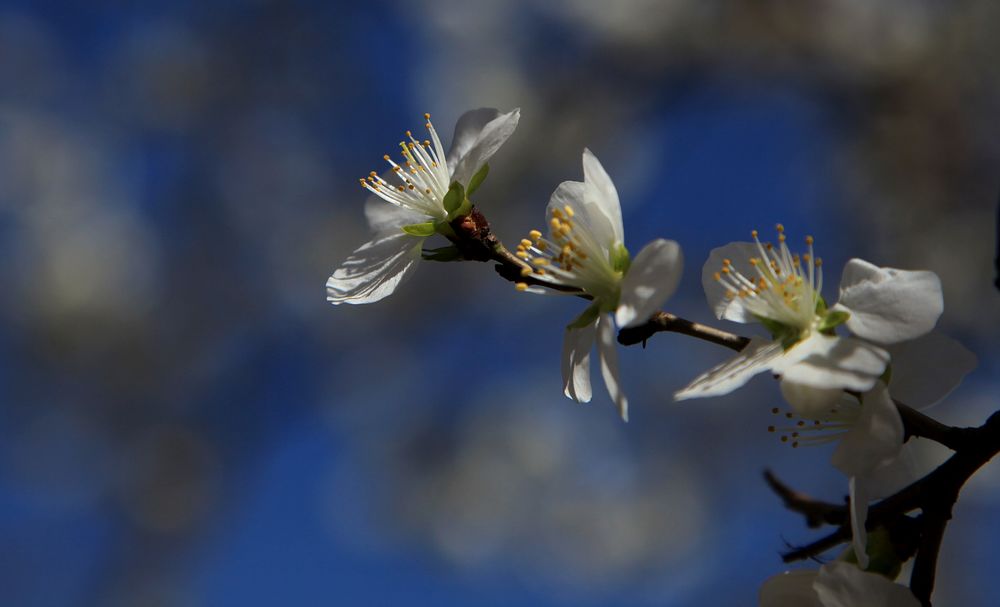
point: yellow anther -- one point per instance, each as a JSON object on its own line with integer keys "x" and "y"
{"x": 569, "y": 211}
{"x": 541, "y": 246}
{"x": 521, "y": 286}
{"x": 780, "y": 228}
{"x": 717, "y": 276}
{"x": 362, "y": 180}
{"x": 534, "y": 234}
{"x": 409, "y": 134}
{"x": 396, "y": 169}
{"x": 725, "y": 270}
{"x": 754, "y": 261}
{"x": 525, "y": 271}
{"x": 809, "y": 240}
{"x": 400, "y": 188}
{"x": 754, "y": 234}
{"x": 567, "y": 250}
{"x": 540, "y": 261}
{"x": 555, "y": 224}
{"x": 522, "y": 254}
{"x": 769, "y": 246}
{"x": 385, "y": 157}
{"x": 540, "y": 271}
{"x": 819, "y": 262}
{"x": 781, "y": 238}
{"x": 427, "y": 191}
{"x": 730, "y": 294}
{"x": 526, "y": 243}
{"x": 409, "y": 187}
{"x": 727, "y": 262}
{"x": 427, "y": 116}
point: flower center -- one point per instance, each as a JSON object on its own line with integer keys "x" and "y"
{"x": 778, "y": 287}
{"x": 572, "y": 256}
{"x": 422, "y": 177}
{"x": 811, "y": 432}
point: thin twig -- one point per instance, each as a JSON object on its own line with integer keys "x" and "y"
{"x": 665, "y": 321}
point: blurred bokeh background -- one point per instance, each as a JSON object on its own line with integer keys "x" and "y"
{"x": 185, "y": 421}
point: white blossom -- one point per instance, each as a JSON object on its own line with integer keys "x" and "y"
{"x": 585, "y": 253}
{"x": 415, "y": 191}
{"x": 837, "y": 584}
{"x": 756, "y": 282}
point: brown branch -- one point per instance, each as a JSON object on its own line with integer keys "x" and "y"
{"x": 665, "y": 321}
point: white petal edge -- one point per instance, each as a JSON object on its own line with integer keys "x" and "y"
{"x": 757, "y": 357}
{"x": 651, "y": 280}
{"x": 739, "y": 253}
{"x": 789, "y": 589}
{"x": 478, "y": 136}
{"x": 825, "y": 361}
{"x": 609, "y": 364}
{"x": 927, "y": 369}
{"x": 841, "y": 584}
{"x": 889, "y": 305}
{"x": 374, "y": 270}
{"x": 577, "y": 344}
{"x": 604, "y": 193}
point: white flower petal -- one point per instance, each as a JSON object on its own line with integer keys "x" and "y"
{"x": 875, "y": 437}
{"x": 825, "y": 361}
{"x": 478, "y": 135}
{"x": 588, "y": 218}
{"x": 859, "y": 497}
{"x": 604, "y": 195}
{"x": 739, "y": 253}
{"x": 841, "y": 584}
{"x": 577, "y": 344}
{"x": 889, "y": 305}
{"x": 808, "y": 402}
{"x": 926, "y": 369}
{"x": 790, "y": 589}
{"x": 374, "y": 270}
{"x": 651, "y": 279}
{"x": 384, "y": 217}
{"x": 609, "y": 363}
{"x": 757, "y": 357}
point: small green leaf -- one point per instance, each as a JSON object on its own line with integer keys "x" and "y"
{"x": 477, "y": 179}
{"x": 620, "y": 259}
{"x": 420, "y": 229}
{"x": 788, "y": 336}
{"x": 587, "y": 318}
{"x": 454, "y": 198}
{"x": 832, "y": 320}
{"x": 450, "y": 253}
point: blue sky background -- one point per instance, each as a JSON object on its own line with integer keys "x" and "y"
{"x": 186, "y": 421}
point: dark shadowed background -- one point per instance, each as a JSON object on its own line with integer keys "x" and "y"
{"x": 185, "y": 421}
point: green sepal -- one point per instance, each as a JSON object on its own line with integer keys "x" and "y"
{"x": 832, "y": 320}
{"x": 454, "y": 198}
{"x": 788, "y": 336}
{"x": 820, "y": 306}
{"x": 882, "y": 556}
{"x": 587, "y": 318}
{"x": 420, "y": 229}
{"x": 886, "y": 377}
{"x": 450, "y": 253}
{"x": 620, "y": 259}
{"x": 477, "y": 179}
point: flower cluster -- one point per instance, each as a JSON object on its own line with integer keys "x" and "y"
{"x": 841, "y": 367}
